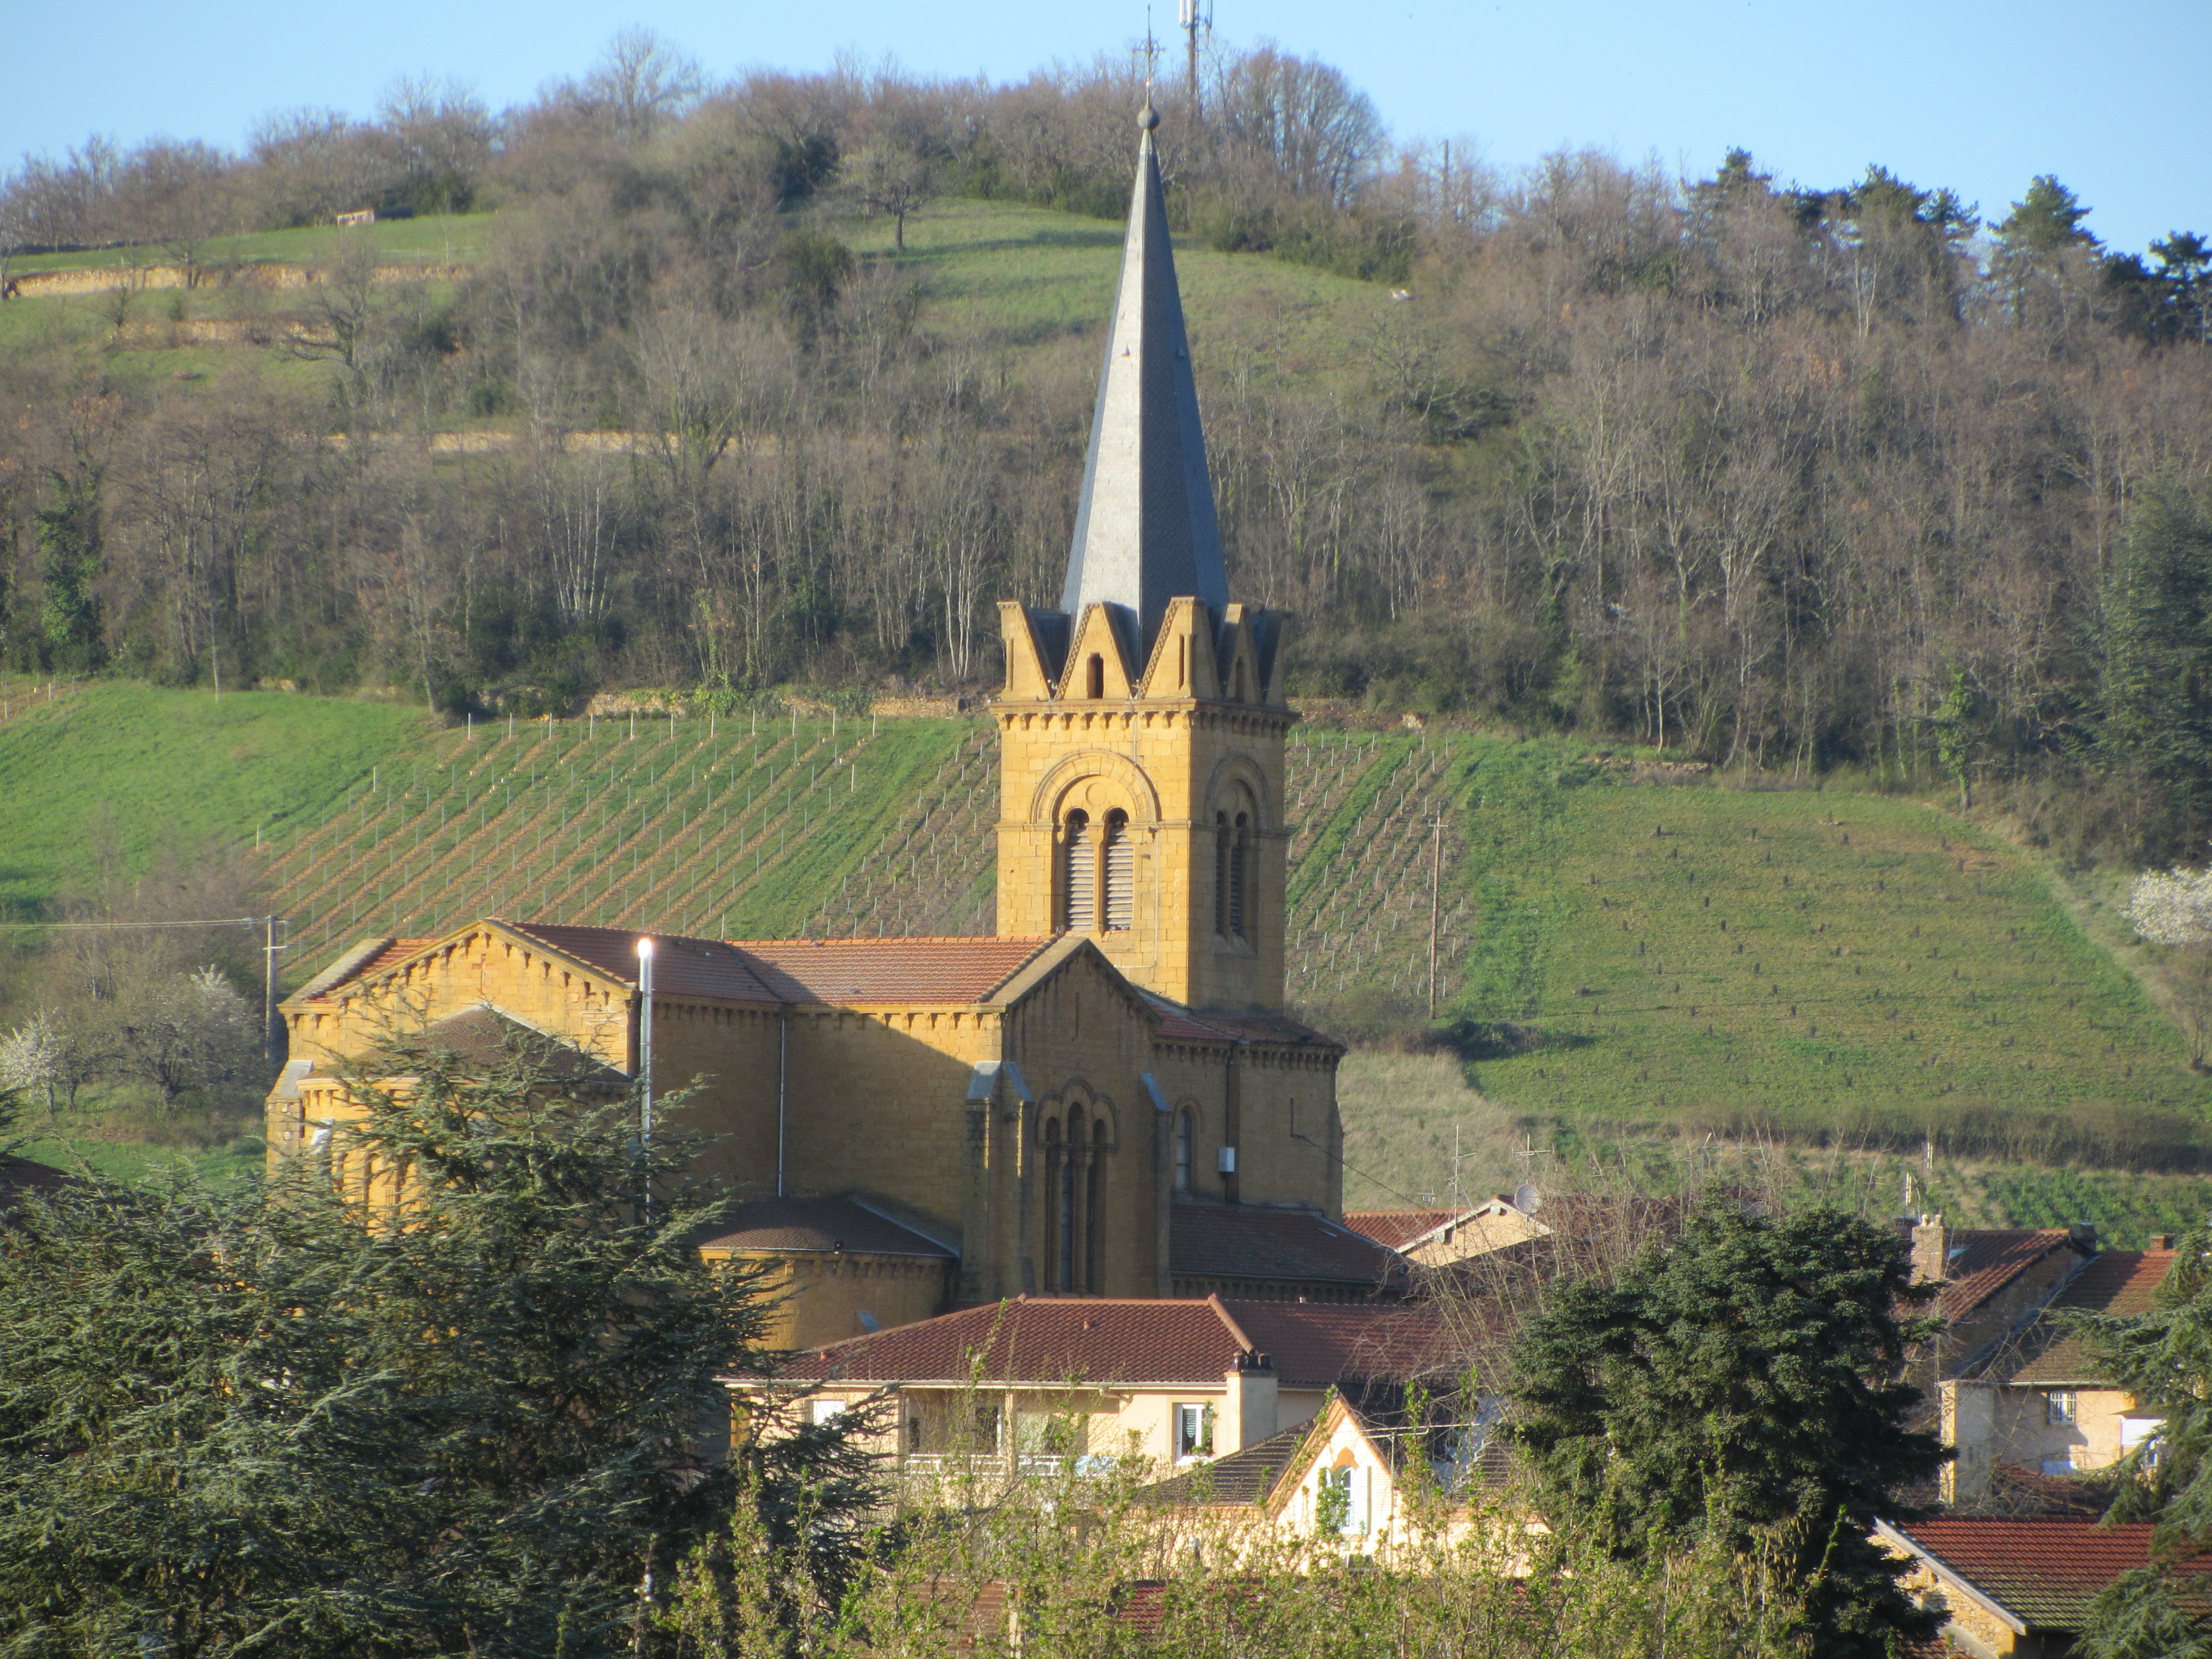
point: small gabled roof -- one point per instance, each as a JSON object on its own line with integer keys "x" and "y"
{"x": 1984, "y": 1261}
{"x": 2039, "y": 1574}
{"x": 1135, "y": 1343}
{"x": 2116, "y": 1283}
{"x": 1394, "y": 1229}
{"x": 1244, "y": 1243}
{"x": 1237, "y": 1480}
{"x": 828, "y": 1225}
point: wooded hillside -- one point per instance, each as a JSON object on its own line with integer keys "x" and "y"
{"x": 1786, "y": 477}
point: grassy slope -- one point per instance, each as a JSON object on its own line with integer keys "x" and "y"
{"x": 1019, "y": 279}
{"x": 137, "y": 769}
{"x": 430, "y": 239}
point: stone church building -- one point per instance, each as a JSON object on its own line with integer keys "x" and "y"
{"x": 1105, "y": 1099}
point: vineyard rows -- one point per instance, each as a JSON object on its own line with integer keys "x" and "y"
{"x": 830, "y": 829}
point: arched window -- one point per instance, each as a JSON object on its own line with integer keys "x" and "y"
{"x": 1094, "y": 1187}
{"x": 1064, "y": 1276}
{"x": 1121, "y": 906}
{"x": 1239, "y": 875}
{"x": 1080, "y": 883}
{"x": 1094, "y": 677}
{"x": 1221, "y": 874}
{"x": 1186, "y": 1136}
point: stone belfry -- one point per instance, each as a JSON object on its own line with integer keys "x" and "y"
{"x": 1141, "y": 726}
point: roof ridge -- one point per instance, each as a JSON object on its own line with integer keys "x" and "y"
{"x": 1244, "y": 1342}
{"x": 895, "y": 939}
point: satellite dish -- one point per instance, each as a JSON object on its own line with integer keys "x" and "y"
{"x": 1526, "y": 1199}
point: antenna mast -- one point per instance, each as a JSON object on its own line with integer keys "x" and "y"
{"x": 1191, "y": 16}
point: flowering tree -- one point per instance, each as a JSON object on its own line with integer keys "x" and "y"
{"x": 2175, "y": 908}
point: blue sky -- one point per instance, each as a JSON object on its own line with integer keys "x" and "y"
{"x": 1978, "y": 96}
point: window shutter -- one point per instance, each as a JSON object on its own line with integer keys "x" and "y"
{"x": 1082, "y": 877}
{"x": 1121, "y": 907}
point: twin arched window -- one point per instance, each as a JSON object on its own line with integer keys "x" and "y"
{"x": 1085, "y": 898}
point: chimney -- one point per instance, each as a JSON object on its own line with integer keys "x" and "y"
{"x": 2161, "y": 1241}
{"x": 1931, "y": 1249}
{"x": 1248, "y": 1415}
{"x": 2083, "y": 1236}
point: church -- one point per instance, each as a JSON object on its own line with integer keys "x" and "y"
{"x": 1105, "y": 1099}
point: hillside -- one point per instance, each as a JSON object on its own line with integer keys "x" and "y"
{"x": 1624, "y": 967}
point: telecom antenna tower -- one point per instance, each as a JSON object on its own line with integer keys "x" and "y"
{"x": 1193, "y": 15}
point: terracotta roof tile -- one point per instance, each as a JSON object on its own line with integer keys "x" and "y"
{"x": 2118, "y": 1283}
{"x": 1986, "y": 1260}
{"x": 1396, "y": 1229}
{"x": 2044, "y": 1571}
{"x": 1238, "y": 1478}
{"x": 1136, "y": 1343}
{"x": 821, "y": 1224}
{"x": 1232, "y": 1242}
{"x": 888, "y": 970}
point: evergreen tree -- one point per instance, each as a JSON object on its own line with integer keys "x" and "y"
{"x": 67, "y": 532}
{"x": 487, "y": 1420}
{"x": 2155, "y": 691}
{"x": 1743, "y": 1382}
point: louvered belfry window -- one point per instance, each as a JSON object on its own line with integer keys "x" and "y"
{"x": 1082, "y": 879}
{"x": 1221, "y": 874}
{"x": 1121, "y": 863}
{"x": 1240, "y": 848}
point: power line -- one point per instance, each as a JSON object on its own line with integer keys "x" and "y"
{"x": 94, "y": 926}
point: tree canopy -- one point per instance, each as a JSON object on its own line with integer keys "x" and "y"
{"x": 1745, "y": 1378}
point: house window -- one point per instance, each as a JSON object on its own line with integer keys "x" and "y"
{"x": 1121, "y": 906}
{"x": 819, "y": 1412}
{"x": 1340, "y": 1501}
{"x": 2058, "y": 1407}
{"x": 1186, "y": 1133}
{"x": 1194, "y": 1432}
{"x": 1080, "y": 882}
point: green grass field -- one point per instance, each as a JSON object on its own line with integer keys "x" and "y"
{"x": 1631, "y": 966}
{"x": 430, "y": 239}
{"x": 117, "y": 770}
{"x": 1015, "y": 279}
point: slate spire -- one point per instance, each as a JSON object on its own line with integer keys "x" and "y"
{"x": 1145, "y": 530}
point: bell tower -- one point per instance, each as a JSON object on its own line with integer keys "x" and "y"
{"x": 1141, "y": 725}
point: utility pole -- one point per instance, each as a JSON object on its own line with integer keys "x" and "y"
{"x": 272, "y": 1033}
{"x": 645, "y": 1066}
{"x": 1435, "y": 905}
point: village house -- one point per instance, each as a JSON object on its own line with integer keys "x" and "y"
{"x": 2038, "y": 1402}
{"x": 1176, "y": 1382}
{"x": 1439, "y": 1237}
{"x": 1106, "y": 1098}
{"x": 1362, "y": 1482}
{"x": 2017, "y": 1588}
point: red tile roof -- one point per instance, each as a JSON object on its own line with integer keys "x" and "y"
{"x": 2045, "y": 1572}
{"x": 2118, "y": 1283}
{"x": 821, "y": 1224}
{"x": 1242, "y": 1242}
{"x": 900, "y": 970}
{"x": 1396, "y": 1229}
{"x": 1137, "y": 1343}
{"x": 1986, "y": 1260}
